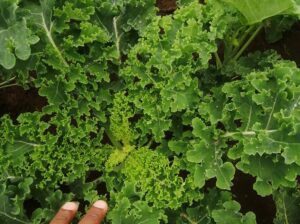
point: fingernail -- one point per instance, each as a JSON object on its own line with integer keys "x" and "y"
{"x": 72, "y": 206}
{"x": 100, "y": 204}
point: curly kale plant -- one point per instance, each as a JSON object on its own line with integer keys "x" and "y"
{"x": 153, "y": 114}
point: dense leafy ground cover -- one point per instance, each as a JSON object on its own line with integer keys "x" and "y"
{"x": 158, "y": 115}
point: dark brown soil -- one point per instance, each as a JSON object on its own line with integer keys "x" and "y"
{"x": 15, "y": 100}
{"x": 288, "y": 47}
{"x": 263, "y": 207}
{"x": 166, "y": 6}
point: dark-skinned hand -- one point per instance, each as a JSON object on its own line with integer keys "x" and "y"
{"x": 94, "y": 215}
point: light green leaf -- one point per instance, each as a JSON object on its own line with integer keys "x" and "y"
{"x": 41, "y": 15}
{"x": 201, "y": 130}
{"x": 267, "y": 104}
{"x": 200, "y": 153}
{"x": 256, "y": 11}
{"x": 213, "y": 201}
{"x": 159, "y": 127}
{"x": 15, "y": 42}
{"x": 287, "y": 206}
{"x": 142, "y": 166}
{"x": 16, "y": 151}
{"x": 225, "y": 174}
{"x": 230, "y": 214}
{"x": 12, "y": 199}
{"x": 199, "y": 176}
{"x": 209, "y": 156}
{"x": 263, "y": 169}
{"x": 138, "y": 213}
{"x": 263, "y": 188}
{"x": 55, "y": 91}
{"x": 178, "y": 146}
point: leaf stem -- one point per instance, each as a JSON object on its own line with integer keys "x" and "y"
{"x": 284, "y": 208}
{"x": 10, "y": 178}
{"x": 272, "y": 111}
{"x": 243, "y": 39}
{"x": 8, "y": 85}
{"x": 29, "y": 143}
{"x": 7, "y": 81}
{"x": 183, "y": 215}
{"x": 149, "y": 143}
{"x": 248, "y": 133}
{"x": 118, "y": 39}
{"x": 97, "y": 181}
{"x": 218, "y": 60}
{"x": 48, "y": 33}
{"x": 112, "y": 139}
{"x": 13, "y": 218}
{"x": 249, "y": 41}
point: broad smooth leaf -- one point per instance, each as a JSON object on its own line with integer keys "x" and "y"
{"x": 15, "y": 37}
{"x": 255, "y": 11}
{"x": 230, "y": 214}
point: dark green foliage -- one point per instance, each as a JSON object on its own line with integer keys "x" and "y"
{"x": 144, "y": 110}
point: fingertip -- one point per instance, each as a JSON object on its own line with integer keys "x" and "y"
{"x": 71, "y": 206}
{"x": 101, "y": 204}
{"x": 66, "y": 213}
{"x": 96, "y": 213}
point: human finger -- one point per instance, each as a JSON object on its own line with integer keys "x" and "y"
{"x": 96, "y": 213}
{"x": 65, "y": 214}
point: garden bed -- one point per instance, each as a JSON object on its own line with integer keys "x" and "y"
{"x": 160, "y": 112}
